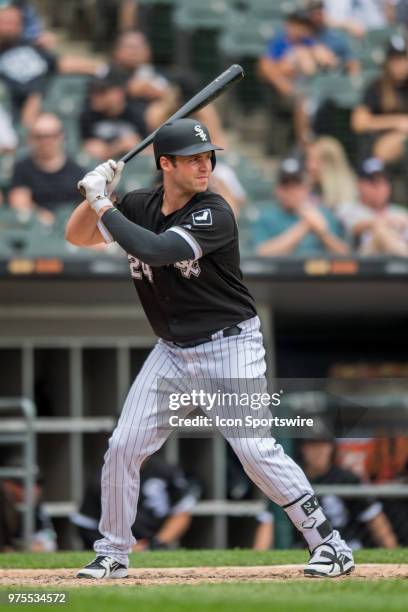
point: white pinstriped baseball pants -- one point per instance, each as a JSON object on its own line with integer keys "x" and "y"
{"x": 135, "y": 437}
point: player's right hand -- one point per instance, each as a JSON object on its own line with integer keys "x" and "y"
{"x": 102, "y": 181}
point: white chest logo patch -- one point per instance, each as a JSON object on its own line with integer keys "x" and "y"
{"x": 200, "y": 133}
{"x": 202, "y": 217}
{"x": 188, "y": 267}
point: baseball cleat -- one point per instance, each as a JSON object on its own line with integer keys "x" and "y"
{"x": 103, "y": 567}
{"x": 328, "y": 562}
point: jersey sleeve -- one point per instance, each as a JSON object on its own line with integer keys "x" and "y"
{"x": 207, "y": 230}
{"x": 123, "y": 205}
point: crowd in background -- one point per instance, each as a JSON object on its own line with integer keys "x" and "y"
{"x": 324, "y": 197}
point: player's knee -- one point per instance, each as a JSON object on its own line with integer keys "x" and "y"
{"x": 118, "y": 446}
{"x": 246, "y": 449}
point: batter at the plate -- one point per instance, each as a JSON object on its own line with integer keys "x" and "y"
{"x": 182, "y": 245}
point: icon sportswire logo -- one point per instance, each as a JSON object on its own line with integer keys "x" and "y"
{"x": 200, "y": 133}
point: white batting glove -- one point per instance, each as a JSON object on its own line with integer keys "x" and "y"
{"x": 99, "y": 184}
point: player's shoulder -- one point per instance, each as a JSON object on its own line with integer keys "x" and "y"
{"x": 213, "y": 201}
{"x": 135, "y": 199}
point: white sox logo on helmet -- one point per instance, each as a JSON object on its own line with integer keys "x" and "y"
{"x": 200, "y": 133}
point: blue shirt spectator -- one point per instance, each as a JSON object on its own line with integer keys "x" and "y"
{"x": 333, "y": 47}
{"x": 296, "y": 225}
{"x": 284, "y": 42}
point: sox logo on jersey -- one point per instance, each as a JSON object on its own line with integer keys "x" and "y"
{"x": 138, "y": 269}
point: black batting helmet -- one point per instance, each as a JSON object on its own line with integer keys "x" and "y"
{"x": 183, "y": 137}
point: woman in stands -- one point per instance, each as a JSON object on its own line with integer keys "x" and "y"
{"x": 330, "y": 175}
{"x": 383, "y": 113}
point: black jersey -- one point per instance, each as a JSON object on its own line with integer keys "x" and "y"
{"x": 197, "y": 297}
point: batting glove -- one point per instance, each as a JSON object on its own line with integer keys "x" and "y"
{"x": 99, "y": 184}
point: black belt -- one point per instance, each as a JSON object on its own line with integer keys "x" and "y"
{"x": 234, "y": 330}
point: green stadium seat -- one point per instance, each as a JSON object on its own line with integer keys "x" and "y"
{"x": 196, "y": 14}
{"x": 267, "y": 10}
{"x": 62, "y": 212}
{"x": 6, "y": 169}
{"x": 6, "y": 250}
{"x": 345, "y": 90}
{"x": 15, "y": 230}
{"x": 246, "y": 36}
{"x": 65, "y": 94}
{"x": 5, "y": 99}
{"x": 44, "y": 242}
{"x": 73, "y": 143}
{"x": 257, "y": 185}
{"x": 380, "y": 37}
{"x": 158, "y": 2}
{"x": 138, "y": 173}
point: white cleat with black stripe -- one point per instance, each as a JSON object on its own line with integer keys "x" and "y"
{"x": 326, "y": 562}
{"x": 103, "y": 567}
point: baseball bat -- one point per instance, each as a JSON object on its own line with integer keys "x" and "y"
{"x": 209, "y": 93}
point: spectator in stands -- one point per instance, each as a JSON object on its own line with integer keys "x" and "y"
{"x": 24, "y": 67}
{"x": 11, "y": 526}
{"x": 132, "y": 56}
{"x": 399, "y": 10}
{"x": 288, "y": 54}
{"x": 350, "y": 515}
{"x": 109, "y": 17}
{"x": 330, "y": 175}
{"x": 132, "y": 62}
{"x": 382, "y": 115}
{"x": 33, "y": 31}
{"x": 184, "y": 85}
{"x": 297, "y": 225}
{"x": 357, "y": 18}
{"x": 110, "y": 124}
{"x": 163, "y": 511}
{"x": 47, "y": 177}
{"x": 224, "y": 180}
{"x": 287, "y": 60}
{"x": 375, "y": 225}
{"x": 332, "y": 49}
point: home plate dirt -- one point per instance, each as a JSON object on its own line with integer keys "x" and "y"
{"x": 62, "y": 578}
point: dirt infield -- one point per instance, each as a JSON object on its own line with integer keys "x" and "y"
{"x": 63, "y": 578}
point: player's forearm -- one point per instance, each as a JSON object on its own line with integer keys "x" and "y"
{"x": 174, "y": 527}
{"x": 81, "y": 229}
{"x": 153, "y": 249}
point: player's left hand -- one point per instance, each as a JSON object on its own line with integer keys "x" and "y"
{"x": 100, "y": 183}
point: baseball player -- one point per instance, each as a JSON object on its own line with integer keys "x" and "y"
{"x": 182, "y": 245}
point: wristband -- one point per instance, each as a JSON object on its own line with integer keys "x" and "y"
{"x": 99, "y": 203}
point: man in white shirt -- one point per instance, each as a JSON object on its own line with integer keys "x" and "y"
{"x": 376, "y": 226}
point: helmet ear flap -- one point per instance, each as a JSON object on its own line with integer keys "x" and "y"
{"x": 213, "y": 159}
